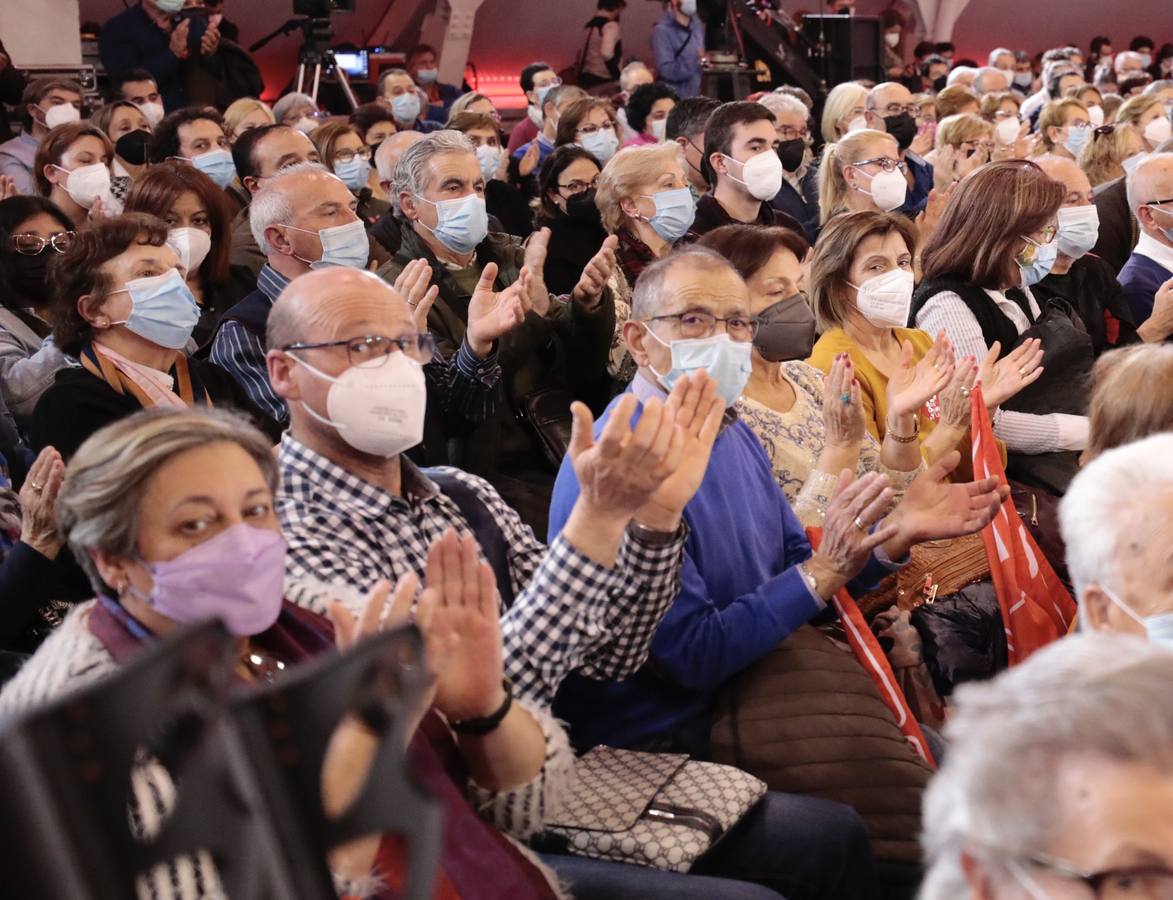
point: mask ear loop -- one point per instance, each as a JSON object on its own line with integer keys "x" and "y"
{"x": 314, "y": 414}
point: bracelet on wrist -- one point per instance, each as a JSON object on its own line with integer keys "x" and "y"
{"x": 901, "y": 439}
{"x": 484, "y": 725}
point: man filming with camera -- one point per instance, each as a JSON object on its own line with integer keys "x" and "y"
{"x": 168, "y": 38}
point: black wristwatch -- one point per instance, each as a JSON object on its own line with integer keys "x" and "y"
{"x": 485, "y": 724}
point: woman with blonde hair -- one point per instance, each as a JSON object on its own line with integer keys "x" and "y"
{"x": 644, "y": 199}
{"x": 845, "y": 110}
{"x": 967, "y": 135}
{"x": 862, "y": 171}
{"x": 1011, "y": 133}
{"x": 956, "y": 98}
{"x": 1064, "y": 129}
{"x": 473, "y": 102}
{"x": 1141, "y": 124}
{"x": 1090, "y": 96}
{"x": 1132, "y": 397}
{"x": 245, "y": 114}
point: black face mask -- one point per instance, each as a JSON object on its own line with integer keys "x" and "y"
{"x": 132, "y": 147}
{"x": 786, "y": 330}
{"x": 940, "y": 83}
{"x": 28, "y": 276}
{"x": 901, "y": 127}
{"x": 792, "y": 153}
{"x": 582, "y": 208}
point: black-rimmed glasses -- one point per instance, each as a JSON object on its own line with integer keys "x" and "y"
{"x": 700, "y": 324}
{"x": 371, "y": 350}
{"x": 33, "y": 244}
{"x": 884, "y": 162}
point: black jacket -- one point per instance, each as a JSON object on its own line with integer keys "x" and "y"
{"x": 1092, "y": 289}
{"x": 79, "y": 403}
{"x": 1118, "y": 230}
{"x": 572, "y": 244}
{"x": 711, "y": 215}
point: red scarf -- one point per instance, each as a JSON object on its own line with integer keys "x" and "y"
{"x": 477, "y": 862}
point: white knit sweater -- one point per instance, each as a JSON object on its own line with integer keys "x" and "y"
{"x": 73, "y": 657}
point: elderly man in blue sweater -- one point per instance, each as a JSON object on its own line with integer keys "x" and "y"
{"x": 749, "y": 576}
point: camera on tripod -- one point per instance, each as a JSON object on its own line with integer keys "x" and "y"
{"x": 321, "y": 9}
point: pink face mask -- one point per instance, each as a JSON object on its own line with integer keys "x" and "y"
{"x": 238, "y": 576}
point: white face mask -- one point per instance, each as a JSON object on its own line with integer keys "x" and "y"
{"x": 658, "y": 128}
{"x": 1079, "y": 229}
{"x": 87, "y": 183}
{"x": 1006, "y": 131}
{"x": 1158, "y": 131}
{"x": 154, "y": 113}
{"x": 884, "y": 300}
{"x": 762, "y": 174}
{"x": 535, "y": 115}
{"x": 192, "y": 245}
{"x": 380, "y": 410}
{"x": 1159, "y": 627}
{"x": 892, "y": 38}
{"x": 61, "y": 114}
{"x": 887, "y": 190}
{"x": 859, "y": 123}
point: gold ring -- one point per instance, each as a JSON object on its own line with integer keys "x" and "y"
{"x": 859, "y": 524}
{"x": 37, "y": 488}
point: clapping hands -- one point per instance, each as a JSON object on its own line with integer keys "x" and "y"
{"x": 914, "y": 383}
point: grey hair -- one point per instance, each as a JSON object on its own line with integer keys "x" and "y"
{"x": 272, "y": 205}
{"x": 105, "y": 481}
{"x": 985, "y": 72}
{"x": 1125, "y": 56}
{"x": 996, "y": 52}
{"x": 627, "y": 71}
{"x": 282, "y": 107}
{"x": 647, "y": 299}
{"x": 1136, "y": 178}
{"x": 1163, "y": 85}
{"x": 958, "y": 73}
{"x": 784, "y": 103}
{"x": 411, "y": 173}
{"x": 1111, "y": 500}
{"x": 563, "y": 91}
{"x": 1104, "y": 695}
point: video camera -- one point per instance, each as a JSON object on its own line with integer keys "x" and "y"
{"x": 321, "y": 9}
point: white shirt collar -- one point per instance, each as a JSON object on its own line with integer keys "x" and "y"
{"x": 1161, "y": 254}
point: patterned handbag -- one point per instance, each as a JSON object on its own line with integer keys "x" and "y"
{"x": 660, "y": 810}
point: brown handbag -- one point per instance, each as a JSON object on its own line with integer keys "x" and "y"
{"x": 938, "y": 568}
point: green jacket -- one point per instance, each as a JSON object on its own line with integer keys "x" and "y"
{"x": 566, "y": 349}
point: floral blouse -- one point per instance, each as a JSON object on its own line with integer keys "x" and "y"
{"x": 794, "y": 440}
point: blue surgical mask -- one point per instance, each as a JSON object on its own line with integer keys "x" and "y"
{"x": 1133, "y": 161}
{"x": 728, "y": 362}
{"x": 1040, "y": 267}
{"x": 542, "y": 92}
{"x": 688, "y": 7}
{"x": 354, "y": 173}
{"x": 216, "y": 164}
{"x": 461, "y": 223}
{"x": 1079, "y": 229}
{"x": 163, "y": 309}
{"x": 601, "y": 144}
{"x": 1159, "y": 628}
{"x": 675, "y": 211}
{"x": 1077, "y": 138}
{"x": 427, "y": 76}
{"x": 406, "y": 107}
{"x": 342, "y": 245}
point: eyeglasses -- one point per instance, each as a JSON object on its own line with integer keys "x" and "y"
{"x": 1007, "y": 114}
{"x": 345, "y": 156}
{"x": 593, "y": 129}
{"x": 371, "y": 350}
{"x": 578, "y": 187}
{"x": 1079, "y": 123}
{"x": 552, "y": 83}
{"x": 32, "y": 244}
{"x": 787, "y": 133}
{"x": 1045, "y": 234}
{"x": 984, "y": 146}
{"x": 701, "y": 324}
{"x": 1125, "y": 883}
{"x": 895, "y": 109}
{"x": 884, "y": 162}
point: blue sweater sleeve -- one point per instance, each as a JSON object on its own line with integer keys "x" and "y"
{"x": 670, "y": 65}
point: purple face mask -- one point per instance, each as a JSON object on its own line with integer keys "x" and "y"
{"x": 238, "y": 576}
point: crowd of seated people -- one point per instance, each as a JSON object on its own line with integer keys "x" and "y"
{"x": 265, "y": 362}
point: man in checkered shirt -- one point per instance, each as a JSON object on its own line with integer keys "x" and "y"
{"x": 590, "y": 602}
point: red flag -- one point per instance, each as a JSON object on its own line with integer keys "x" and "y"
{"x": 1036, "y": 608}
{"x": 871, "y": 656}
